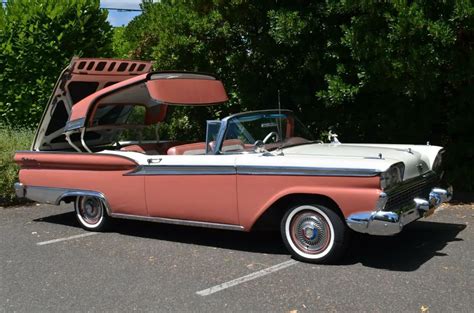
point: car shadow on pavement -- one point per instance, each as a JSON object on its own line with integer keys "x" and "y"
{"x": 407, "y": 251}
{"x": 260, "y": 242}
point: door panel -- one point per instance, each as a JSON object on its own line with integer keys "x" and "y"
{"x": 192, "y": 187}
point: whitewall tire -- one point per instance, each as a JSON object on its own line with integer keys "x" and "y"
{"x": 91, "y": 213}
{"x": 314, "y": 233}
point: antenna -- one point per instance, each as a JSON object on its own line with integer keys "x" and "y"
{"x": 280, "y": 132}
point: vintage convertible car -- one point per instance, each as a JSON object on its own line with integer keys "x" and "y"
{"x": 252, "y": 169}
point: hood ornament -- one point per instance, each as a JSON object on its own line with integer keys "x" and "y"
{"x": 332, "y": 137}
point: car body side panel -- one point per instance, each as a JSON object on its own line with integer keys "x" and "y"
{"x": 92, "y": 172}
{"x": 207, "y": 198}
{"x": 192, "y": 187}
{"x": 257, "y": 193}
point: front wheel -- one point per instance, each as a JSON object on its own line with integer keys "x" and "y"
{"x": 314, "y": 233}
{"x": 91, "y": 213}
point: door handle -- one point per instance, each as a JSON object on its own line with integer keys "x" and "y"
{"x": 154, "y": 161}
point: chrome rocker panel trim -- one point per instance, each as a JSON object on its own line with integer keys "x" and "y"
{"x": 177, "y": 221}
{"x": 53, "y": 195}
{"x": 387, "y": 223}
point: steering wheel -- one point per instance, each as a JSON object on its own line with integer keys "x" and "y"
{"x": 270, "y": 134}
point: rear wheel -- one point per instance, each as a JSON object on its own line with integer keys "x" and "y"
{"x": 91, "y": 213}
{"x": 314, "y": 233}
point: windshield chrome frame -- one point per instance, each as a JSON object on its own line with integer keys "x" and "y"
{"x": 225, "y": 121}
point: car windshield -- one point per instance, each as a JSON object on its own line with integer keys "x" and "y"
{"x": 273, "y": 129}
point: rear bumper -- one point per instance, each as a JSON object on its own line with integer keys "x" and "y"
{"x": 53, "y": 195}
{"x": 39, "y": 194}
{"x": 20, "y": 190}
{"x": 386, "y": 223}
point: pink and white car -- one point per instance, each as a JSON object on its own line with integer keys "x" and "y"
{"x": 250, "y": 169}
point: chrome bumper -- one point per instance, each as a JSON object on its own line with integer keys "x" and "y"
{"x": 19, "y": 190}
{"x": 386, "y": 223}
{"x": 52, "y": 195}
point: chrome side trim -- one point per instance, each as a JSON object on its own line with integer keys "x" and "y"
{"x": 181, "y": 170}
{"x": 249, "y": 170}
{"x": 178, "y": 221}
{"x": 304, "y": 171}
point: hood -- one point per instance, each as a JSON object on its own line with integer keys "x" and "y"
{"x": 412, "y": 156}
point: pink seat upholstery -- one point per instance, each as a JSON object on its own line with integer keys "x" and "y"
{"x": 188, "y": 149}
{"x": 152, "y": 148}
{"x": 229, "y": 145}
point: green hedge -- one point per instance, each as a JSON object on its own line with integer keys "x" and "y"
{"x": 38, "y": 38}
{"x": 11, "y": 140}
{"x": 374, "y": 71}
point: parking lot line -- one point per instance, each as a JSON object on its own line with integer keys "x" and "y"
{"x": 42, "y": 243}
{"x": 246, "y": 278}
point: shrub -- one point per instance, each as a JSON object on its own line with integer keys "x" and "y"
{"x": 11, "y": 140}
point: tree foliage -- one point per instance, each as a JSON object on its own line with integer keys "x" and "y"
{"x": 398, "y": 71}
{"x": 37, "y": 40}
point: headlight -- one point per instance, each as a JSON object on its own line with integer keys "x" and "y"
{"x": 438, "y": 162}
{"x": 392, "y": 176}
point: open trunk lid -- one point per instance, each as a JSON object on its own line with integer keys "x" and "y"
{"x": 81, "y": 78}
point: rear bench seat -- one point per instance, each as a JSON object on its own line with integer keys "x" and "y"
{"x": 177, "y": 148}
{"x": 200, "y": 147}
{"x": 188, "y": 149}
{"x": 152, "y": 148}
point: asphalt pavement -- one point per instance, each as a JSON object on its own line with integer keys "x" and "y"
{"x": 49, "y": 264}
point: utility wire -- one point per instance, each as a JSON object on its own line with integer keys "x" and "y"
{"x": 109, "y": 9}
{"x": 122, "y": 10}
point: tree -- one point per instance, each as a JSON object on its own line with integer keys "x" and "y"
{"x": 37, "y": 40}
{"x": 404, "y": 73}
{"x": 375, "y": 71}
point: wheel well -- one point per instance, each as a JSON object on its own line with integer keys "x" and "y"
{"x": 270, "y": 219}
{"x": 68, "y": 199}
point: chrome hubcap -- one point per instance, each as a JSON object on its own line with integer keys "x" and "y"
{"x": 310, "y": 232}
{"x": 90, "y": 209}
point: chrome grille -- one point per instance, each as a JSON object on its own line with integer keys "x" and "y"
{"x": 404, "y": 194}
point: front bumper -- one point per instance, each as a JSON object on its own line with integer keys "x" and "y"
{"x": 386, "y": 223}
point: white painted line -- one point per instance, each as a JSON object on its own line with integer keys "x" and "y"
{"x": 246, "y": 278}
{"x": 42, "y": 243}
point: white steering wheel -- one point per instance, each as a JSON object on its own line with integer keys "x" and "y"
{"x": 267, "y": 137}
